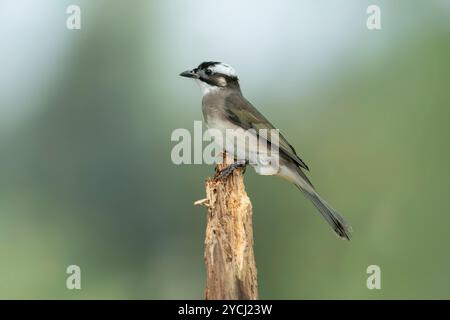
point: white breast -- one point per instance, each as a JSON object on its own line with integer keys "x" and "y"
{"x": 245, "y": 145}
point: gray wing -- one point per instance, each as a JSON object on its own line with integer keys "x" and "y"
{"x": 246, "y": 116}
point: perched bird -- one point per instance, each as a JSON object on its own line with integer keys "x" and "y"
{"x": 224, "y": 107}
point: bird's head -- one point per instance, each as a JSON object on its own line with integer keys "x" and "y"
{"x": 212, "y": 76}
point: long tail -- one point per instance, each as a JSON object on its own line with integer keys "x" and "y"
{"x": 334, "y": 219}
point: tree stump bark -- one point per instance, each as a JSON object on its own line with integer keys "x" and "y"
{"x": 229, "y": 258}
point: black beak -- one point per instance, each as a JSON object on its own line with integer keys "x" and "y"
{"x": 189, "y": 74}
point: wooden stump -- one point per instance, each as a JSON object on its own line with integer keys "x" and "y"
{"x": 230, "y": 262}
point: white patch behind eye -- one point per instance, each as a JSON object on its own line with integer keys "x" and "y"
{"x": 224, "y": 69}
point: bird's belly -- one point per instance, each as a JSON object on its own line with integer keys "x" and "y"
{"x": 245, "y": 145}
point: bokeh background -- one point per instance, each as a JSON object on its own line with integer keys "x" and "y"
{"x": 86, "y": 117}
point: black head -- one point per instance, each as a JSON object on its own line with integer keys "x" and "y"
{"x": 212, "y": 73}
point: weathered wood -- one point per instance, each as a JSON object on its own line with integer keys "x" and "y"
{"x": 229, "y": 257}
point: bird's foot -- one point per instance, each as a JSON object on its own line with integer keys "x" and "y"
{"x": 224, "y": 173}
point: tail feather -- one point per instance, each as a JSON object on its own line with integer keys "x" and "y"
{"x": 334, "y": 219}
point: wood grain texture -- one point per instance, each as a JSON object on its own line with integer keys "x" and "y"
{"x": 229, "y": 257}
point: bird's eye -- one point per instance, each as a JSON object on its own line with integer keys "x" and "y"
{"x": 208, "y": 72}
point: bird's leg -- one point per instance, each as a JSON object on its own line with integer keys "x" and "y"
{"x": 224, "y": 173}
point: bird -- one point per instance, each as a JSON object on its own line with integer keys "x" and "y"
{"x": 225, "y": 108}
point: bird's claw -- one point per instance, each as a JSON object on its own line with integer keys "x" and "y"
{"x": 225, "y": 172}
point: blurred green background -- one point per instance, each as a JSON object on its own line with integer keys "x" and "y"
{"x": 86, "y": 116}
